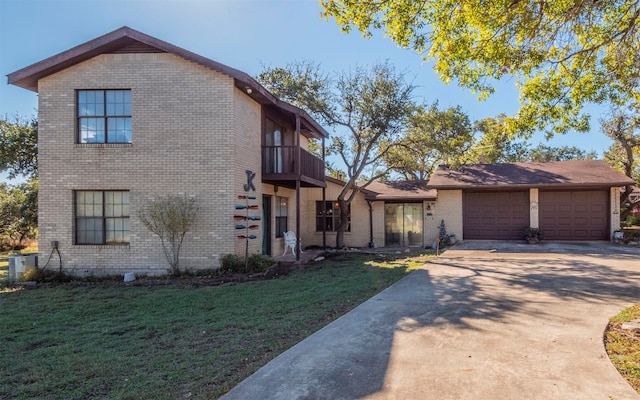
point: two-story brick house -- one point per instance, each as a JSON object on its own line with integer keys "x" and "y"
{"x": 125, "y": 118}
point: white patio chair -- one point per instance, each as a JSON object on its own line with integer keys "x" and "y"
{"x": 290, "y": 242}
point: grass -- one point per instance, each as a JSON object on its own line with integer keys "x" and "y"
{"x": 108, "y": 340}
{"x": 623, "y": 345}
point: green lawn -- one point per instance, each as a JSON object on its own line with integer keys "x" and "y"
{"x": 623, "y": 345}
{"x": 108, "y": 340}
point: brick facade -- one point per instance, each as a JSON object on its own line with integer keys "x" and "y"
{"x": 197, "y": 127}
{"x": 447, "y": 208}
{"x": 194, "y": 133}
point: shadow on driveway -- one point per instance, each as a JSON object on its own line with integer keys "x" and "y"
{"x": 474, "y": 323}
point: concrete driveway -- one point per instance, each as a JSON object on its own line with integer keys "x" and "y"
{"x": 486, "y": 320}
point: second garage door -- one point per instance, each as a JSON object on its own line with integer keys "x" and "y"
{"x": 495, "y": 215}
{"x": 574, "y": 215}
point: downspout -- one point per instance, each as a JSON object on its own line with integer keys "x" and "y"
{"x": 371, "y": 244}
{"x": 299, "y": 172}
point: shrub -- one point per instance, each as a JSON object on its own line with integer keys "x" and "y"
{"x": 231, "y": 263}
{"x": 43, "y": 276}
{"x": 532, "y": 235}
{"x": 170, "y": 218}
{"x": 259, "y": 263}
{"x": 632, "y": 220}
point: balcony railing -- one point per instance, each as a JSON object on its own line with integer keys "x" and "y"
{"x": 279, "y": 164}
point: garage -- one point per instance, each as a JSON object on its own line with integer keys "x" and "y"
{"x": 567, "y": 200}
{"x": 574, "y": 215}
{"x": 495, "y": 215}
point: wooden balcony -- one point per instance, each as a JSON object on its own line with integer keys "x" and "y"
{"x": 280, "y": 167}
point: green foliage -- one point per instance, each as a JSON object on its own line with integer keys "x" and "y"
{"x": 170, "y": 218}
{"x": 623, "y": 126}
{"x": 532, "y": 234}
{"x": 369, "y": 109}
{"x": 631, "y": 220}
{"x": 259, "y": 263}
{"x": 302, "y": 84}
{"x": 561, "y": 54}
{"x": 623, "y": 346}
{"x": 18, "y": 213}
{"x": 19, "y": 146}
{"x": 433, "y": 137}
{"x": 45, "y": 276}
{"x": 497, "y": 145}
{"x": 542, "y": 153}
{"x": 445, "y": 239}
{"x": 234, "y": 264}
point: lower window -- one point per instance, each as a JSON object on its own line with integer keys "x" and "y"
{"x": 328, "y": 216}
{"x": 282, "y": 211}
{"x": 101, "y": 217}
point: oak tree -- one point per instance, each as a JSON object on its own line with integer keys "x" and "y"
{"x": 366, "y": 107}
{"x": 433, "y": 137}
{"x": 623, "y": 126}
{"x": 19, "y": 146}
{"x": 562, "y": 54}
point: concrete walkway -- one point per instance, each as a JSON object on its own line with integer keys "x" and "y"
{"x": 483, "y": 321}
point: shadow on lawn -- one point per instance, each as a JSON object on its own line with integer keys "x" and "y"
{"x": 350, "y": 357}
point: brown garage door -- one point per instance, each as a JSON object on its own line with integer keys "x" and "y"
{"x": 574, "y": 215}
{"x": 495, "y": 215}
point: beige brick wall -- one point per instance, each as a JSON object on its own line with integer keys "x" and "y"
{"x": 447, "y": 208}
{"x": 534, "y": 208}
{"x": 359, "y": 235}
{"x": 614, "y": 202}
{"x": 247, "y": 156}
{"x": 193, "y": 134}
{"x": 277, "y": 244}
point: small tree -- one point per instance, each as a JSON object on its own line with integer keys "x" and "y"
{"x": 170, "y": 218}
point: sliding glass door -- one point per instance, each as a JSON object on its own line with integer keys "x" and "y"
{"x": 403, "y": 224}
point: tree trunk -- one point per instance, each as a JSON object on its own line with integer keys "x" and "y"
{"x": 344, "y": 222}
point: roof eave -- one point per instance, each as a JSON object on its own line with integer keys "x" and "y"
{"x": 28, "y": 77}
{"x": 574, "y": 185}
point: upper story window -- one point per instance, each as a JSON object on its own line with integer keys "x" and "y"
{"x": 104, "y": 116}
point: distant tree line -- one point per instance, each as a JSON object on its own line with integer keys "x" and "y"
{"x": 18, "y": 203}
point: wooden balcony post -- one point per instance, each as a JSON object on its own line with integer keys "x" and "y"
{"x": 299, "y": 173}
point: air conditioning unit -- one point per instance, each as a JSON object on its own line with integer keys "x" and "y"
{"x": 19, "y": 264}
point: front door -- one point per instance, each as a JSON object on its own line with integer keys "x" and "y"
{"x": 266, "y": 225}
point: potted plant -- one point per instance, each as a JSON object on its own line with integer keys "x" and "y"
{"x": 532, "y": 235}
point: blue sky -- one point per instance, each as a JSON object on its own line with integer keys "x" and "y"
{"x": 244, "y": 34}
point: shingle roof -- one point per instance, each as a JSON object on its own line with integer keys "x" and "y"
{"x": 397, "y": 190}
{"x": 126, "y": 39}
{"x": 576, "y": 173}
{"x": 400, "y": 190}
